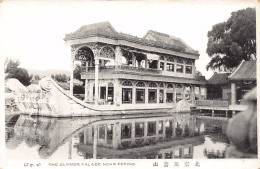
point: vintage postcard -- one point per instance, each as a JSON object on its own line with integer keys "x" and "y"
{"x": 129, "y": 84}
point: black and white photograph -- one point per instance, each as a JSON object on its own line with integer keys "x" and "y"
{"x": 129, "y": 84}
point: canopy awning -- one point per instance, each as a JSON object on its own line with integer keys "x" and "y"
{"x": 152, "y": 56}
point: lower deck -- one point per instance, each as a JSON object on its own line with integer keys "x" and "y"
{"x": 139, "y": 94}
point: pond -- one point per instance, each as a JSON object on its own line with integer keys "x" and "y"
{"x": 163, "y": 136}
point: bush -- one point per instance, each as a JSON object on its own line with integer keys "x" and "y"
{"x": 78, "y": 89}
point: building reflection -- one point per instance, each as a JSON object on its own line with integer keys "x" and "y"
{"x": 129, "y": 136}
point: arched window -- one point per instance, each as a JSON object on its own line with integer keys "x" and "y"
{"x": 107, "y": 52}
{"x": 127, "y": 94}
{"x": 110, "y": 84}
{"x": 140, "y": 84}
{"x": 179, "y": 60}
{"x": 85, "y": 54}
{"x": 169, "y": 86}
{"x": 189, "y": 62}
{"x": 152, "y": 84}
{"x": 169, "y": 93}
{"x": 161, "y": 85}
{"x": 170, "y": 59}
{"x": 161, "y": 57}
{"x": 179, "y": 92}
{"x": 127, "y": 83}
{"x": 140, "y": 92}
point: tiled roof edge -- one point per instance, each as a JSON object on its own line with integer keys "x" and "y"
{"x": 230, "y": 76}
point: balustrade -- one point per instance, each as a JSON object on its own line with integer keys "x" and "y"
{"x": 212, "y": 103}
{"x": 124, "y": 68}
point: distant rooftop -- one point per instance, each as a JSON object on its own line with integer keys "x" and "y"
{"x": 245, "y": 71}
{"x": 219, "y": 79}
{"x": 152, "y": 38}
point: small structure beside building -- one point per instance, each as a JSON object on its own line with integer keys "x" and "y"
{"x": 225, "y": 91}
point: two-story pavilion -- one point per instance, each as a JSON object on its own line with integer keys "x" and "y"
{"x": 155, "y": 71}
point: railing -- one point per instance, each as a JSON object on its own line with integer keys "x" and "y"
{"x": 124, "y": 68}
{"x": 212, "y": 103}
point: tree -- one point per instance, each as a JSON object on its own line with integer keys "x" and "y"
{"x": 232, "y": 41}
{"x": 12, "y": 70}
{"x": 60, "y": 77}
{"x": 76, "y": 73}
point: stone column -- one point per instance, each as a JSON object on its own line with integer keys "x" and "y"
{"x": 164, "y": 95}
{"x": 134, "y": 95}
{"x": 146, "y": 95}
{"x": 165, "y": 65}
{"x": 118, "y": 56}
{"x": 183, "y": 91}
{"x": 192, "y": 93}
{"x": 205, "y": 90}
{"x": 95, "y": 142}
{"x": 158, "y": 95}
{"x": 85, "y": 136}
{"x": 133, "y": 131}
{"x": 233, "y": 93}
{"x": 174, "y": 94}
{"x": 146, "y": 63}
{"x": 133, "y": 60}
{"x": 199, "y": 93}
{"x": 114, "y": 137}
{"x": 96, "y": 80}
{"x": 158, "y": 64}
{"x": 145, "y": 129}
{"x": 117, "y": 92}
{"x": 71, "y": 75}
{"x": 70, "y": 148}
{"x": 86, "y": 90}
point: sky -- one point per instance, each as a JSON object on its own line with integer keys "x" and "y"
{"x": 33, "y": 31}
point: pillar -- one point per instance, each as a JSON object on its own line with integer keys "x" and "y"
{"x": 145, "y": 129}
{"x": 71, "y": 76}
{"x": 134, "y": 95}
{"x": 183, "y": 91}
{"x": 133, "y": 131}
{"x": 95, "y": 143}
{"x": 118, "y": 56}
{"x": 158, "y": 95}
{"x": 164, "y": 95}
{"x": 206, "y": 93}
{"x": 165, "y": 65}
{"x": 146, "y": 63}
{"x": 85, "y": 136}
{"x": 233, "y": 93}
{"x": 199, "y": 93}
{"x": 133, "y": 60}
{"x": 117, "y": 92}
{"x": 86, "y": 90}
{"x": 192, "y": 93}
{"x": 174, "y": 94}
{"x": 96, "y": 80}
{"x": 146, "y": 95}
{"x": 70, "y": 148}
{"x": 115, "y": 136}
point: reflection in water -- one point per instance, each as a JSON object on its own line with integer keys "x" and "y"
{"x": 131, "y": 136}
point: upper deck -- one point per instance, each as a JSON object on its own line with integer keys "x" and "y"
{"x": 148, "y": 74}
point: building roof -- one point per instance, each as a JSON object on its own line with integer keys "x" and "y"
{"x": 152, "y": 38}
{"x": 219, "y": 79}
{"x": 168, "y": 39}
{"x": 245, "y": 71}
